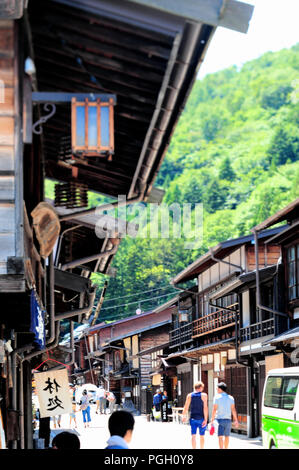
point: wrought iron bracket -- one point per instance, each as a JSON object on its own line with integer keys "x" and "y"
{"x": 50, "y": 99}
{"x": 37, "y": 126}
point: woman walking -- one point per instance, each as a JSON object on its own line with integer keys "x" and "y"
{"x": 85, "y": 407}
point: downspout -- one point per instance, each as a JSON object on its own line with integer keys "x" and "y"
{"x": 259, "y": 305}
{"x": 52, "y": 299}
{"x": 60, "y": 242}
{"x": 48, "y": 348}
{"x": 226, "y": 262}
{"x": 14, "y": 357}
{"x": 72, "y": 347}
{"x": 88, "y": 259}
{"x": 258, "y": 292}
{"x": 79, "y": 311}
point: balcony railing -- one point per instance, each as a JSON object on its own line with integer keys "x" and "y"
{"x": 180, "y": 335}
{"x": 215, "y": 321}
{"x": 257, "y": 330}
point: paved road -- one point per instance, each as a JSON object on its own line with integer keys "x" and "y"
{"x": 147, "y": 435}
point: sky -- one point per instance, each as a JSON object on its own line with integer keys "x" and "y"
{"x": 274, "y": 26}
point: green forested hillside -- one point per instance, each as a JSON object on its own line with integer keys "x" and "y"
{"x": 235, "y": 150}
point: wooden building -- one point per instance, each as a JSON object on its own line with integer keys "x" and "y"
{"x": 134, "y": 57}
{"x": 210, "y": 324}
{"x": 118, "y": 356}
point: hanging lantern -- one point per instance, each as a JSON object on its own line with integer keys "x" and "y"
{"x": 93, "y": 128}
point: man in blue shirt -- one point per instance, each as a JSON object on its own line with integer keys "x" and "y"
{"x": 223, "y": 409}
{"x": 198, "y": 413}
{"x": 121, "y": 425}
{"x": 157, "y": 401}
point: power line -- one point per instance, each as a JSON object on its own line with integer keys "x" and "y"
{"x": 139, "y": 301}
{"x": 122, "y": 316}
{"x": 137, "y": 293}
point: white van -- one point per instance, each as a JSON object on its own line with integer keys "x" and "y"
{"x": 280, "y": 409}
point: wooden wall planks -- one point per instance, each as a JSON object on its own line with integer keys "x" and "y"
{"x": 8, "y": 83}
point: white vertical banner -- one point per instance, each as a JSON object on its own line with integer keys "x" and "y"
{"x": 195, "y": 374}
{"x": 53, "y": 393}
{"x": 2, "y": 433}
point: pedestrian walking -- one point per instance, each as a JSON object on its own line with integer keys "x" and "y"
{"x": 198, "y": 403}
{"x": 73, "y": 414}
{"x": 223, "y": 410}
{"x": 156, "y": 410}
{"x": 57, "y": 419}
{"x": 101, "y": 400}
{"x": 111, "y": 400}
{"x": 121, "y": 425}
{"x": 85, "y": 408}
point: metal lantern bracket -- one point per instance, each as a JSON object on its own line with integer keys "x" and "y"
{"x": 50, "y": 99}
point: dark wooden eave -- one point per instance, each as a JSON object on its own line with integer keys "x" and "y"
{"x": 149, "y": 59}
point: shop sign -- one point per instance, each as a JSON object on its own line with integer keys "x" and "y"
{"x": 53, "y": 393}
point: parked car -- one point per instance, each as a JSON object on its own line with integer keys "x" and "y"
{"x": 280, "y": 409}
{"x": 91, "y": 391}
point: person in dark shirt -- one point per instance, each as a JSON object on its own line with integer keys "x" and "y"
{"x": 198, "y": 403}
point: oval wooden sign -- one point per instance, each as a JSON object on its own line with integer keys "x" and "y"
{"x": 46, "y": 226}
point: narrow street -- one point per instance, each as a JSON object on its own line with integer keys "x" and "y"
{"x": 147, "y": 435}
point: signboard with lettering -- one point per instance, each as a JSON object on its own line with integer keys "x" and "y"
{"x": 53, "y": 393}
{"x": 164, "y": 410}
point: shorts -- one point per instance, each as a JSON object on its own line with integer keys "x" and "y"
{"x": 197, "y": 423}
{"x": 224, "y": 427}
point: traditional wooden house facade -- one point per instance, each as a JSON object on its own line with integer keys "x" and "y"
{"x": 113, "y": 355}
{"x": 210, "y": 338}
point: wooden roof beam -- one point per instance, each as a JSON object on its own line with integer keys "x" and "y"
{"x": 229, "y": 14}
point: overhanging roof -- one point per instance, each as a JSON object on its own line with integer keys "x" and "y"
{"x": 264, "y": 275}
{"x": 136, "y": 332}
{"x": 223, "y": 345}
{"x": 221, "y": 250}
{"x": 288, "y": 213}
{"x": 147, "y": 54}
{"x": 286, "y": 234}
{"x": 287, "y": 336}
{"x": 230, "y": 14}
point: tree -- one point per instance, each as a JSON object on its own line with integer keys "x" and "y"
{"x": 225, "y": 170}
{"x": 215, "y": 195}
{"x": 284, "y": 146}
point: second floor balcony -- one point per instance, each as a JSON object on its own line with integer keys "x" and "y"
{"x": 181, "y": 336}
{"x": 215, "y": 321}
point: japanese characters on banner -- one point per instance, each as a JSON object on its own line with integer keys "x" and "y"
{"x": 37, "y": 321}
{"x": 53, "y": 393}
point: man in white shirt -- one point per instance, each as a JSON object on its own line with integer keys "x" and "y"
{"x": 101, "y": 400}
{"x": 111, "y": 399}
{"x": 223, "y": 409}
